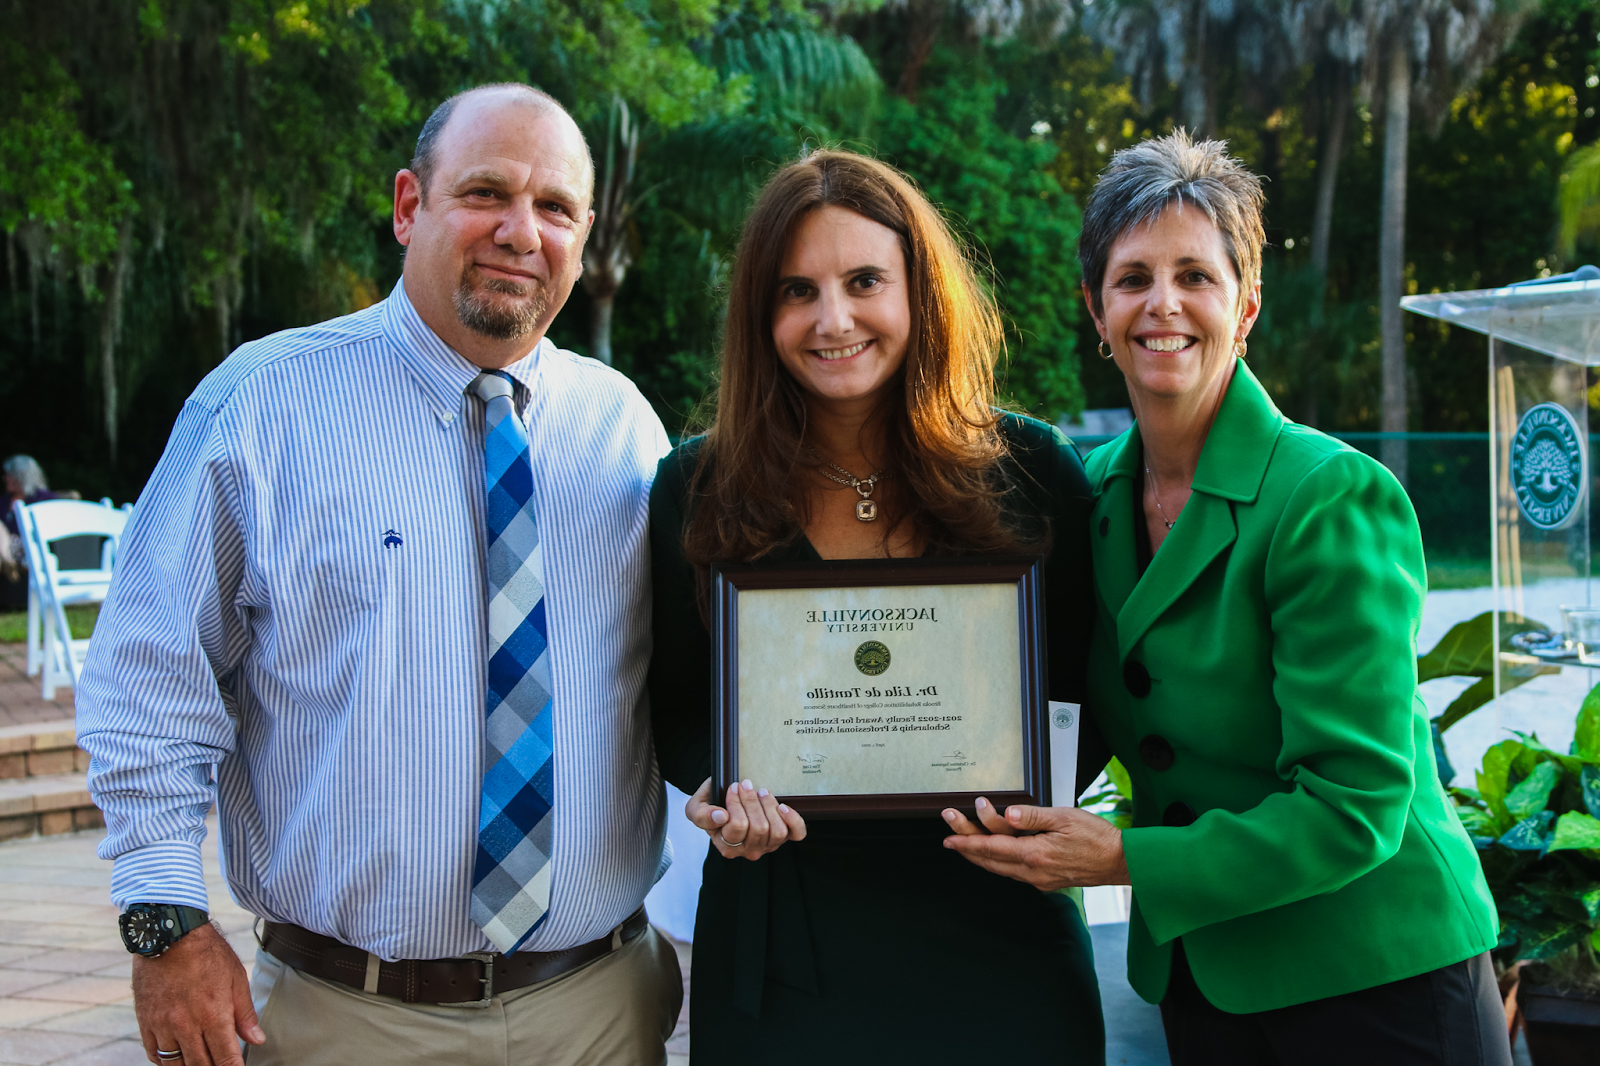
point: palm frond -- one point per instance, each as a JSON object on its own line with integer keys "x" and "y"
{"x": 1580, "y": 191}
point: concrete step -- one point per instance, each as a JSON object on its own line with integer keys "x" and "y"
{"x": 46, "y": 805}
{"x": 40, "y": 749}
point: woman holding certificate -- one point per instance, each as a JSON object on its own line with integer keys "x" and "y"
{"x": 1302, "y": 890}
{"x": 855, "y": 420}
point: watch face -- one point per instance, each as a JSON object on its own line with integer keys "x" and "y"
{"x": 146, "y": 931}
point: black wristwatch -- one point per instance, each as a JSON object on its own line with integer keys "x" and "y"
{"x": 149, "y": 929}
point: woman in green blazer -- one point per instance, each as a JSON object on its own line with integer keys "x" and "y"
{"x": 1302, "y": 890}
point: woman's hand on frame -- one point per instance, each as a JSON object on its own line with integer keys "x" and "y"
{"x": 1067, "y": 848}
{"x": 752, "y": 824}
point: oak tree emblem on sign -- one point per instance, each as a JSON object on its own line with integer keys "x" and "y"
{"x": 1549, "y": 466}
{"x": 872, "y": 658}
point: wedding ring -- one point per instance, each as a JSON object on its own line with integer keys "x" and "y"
{"x": 168, "y": 1056}
{"x": 728, "y": 842}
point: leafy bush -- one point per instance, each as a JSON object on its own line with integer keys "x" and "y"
{"x": 1535, "y": 818}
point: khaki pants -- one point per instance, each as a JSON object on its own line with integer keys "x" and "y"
{"x": 616, "y": 1011}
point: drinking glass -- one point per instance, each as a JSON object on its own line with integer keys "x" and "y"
{"x": 1585, "y": 634}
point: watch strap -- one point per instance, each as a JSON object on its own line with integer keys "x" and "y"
{"x": 189, "y": 918}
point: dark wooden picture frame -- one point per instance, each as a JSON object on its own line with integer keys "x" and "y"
{"x": 728, "y": 580}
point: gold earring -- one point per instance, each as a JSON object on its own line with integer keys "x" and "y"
{"x": 1241, "y": 349}
{"x": 1100, "y": 350}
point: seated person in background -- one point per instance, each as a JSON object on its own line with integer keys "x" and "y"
{"x": 25, "y": 482}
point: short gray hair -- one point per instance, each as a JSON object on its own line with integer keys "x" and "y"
{"x": 29, "y": 474}
{"x": 1141, "y": 180}
{"x": 426, "y": 157}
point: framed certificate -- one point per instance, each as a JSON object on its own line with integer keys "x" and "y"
{"x": 881, "y": 688}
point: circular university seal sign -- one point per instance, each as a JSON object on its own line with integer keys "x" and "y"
{"x": 872, "y": 658}
{"x": 1062, "y": 718}
{"x": 1549, "y": 466}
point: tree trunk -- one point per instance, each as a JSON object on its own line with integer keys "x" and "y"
{"x": 1194, "y": 95}
{"x": 1391, "y": 252}
{"x": 600, "y": 327}
{"x": 925, "y": 19}
{"x": 110, "y": 333}
{"x": 1327, "y": 183}
{"x": 219, "y": 291}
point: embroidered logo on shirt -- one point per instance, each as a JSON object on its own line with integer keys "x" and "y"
{"x": 391, "y": 539}
{"x": 1549, "y": 466}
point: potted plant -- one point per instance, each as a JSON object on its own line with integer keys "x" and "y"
{"x": 1535, "y": 818}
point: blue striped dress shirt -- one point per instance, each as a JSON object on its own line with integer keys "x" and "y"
{"x": 298, "y": 629}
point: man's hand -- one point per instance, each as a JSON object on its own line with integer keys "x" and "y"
{"x": 754, "y": 821}
{"x": 195, "y": 998}
{"x": 1070, "y": 848}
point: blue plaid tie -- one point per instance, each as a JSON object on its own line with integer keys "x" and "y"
{"x": 511, "y": 875}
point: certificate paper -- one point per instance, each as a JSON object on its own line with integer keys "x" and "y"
{"x": 880, "y": 689}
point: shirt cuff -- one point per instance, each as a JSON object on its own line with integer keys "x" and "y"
{"x": 168, "y": 871}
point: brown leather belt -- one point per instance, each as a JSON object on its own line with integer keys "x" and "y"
{"x": 471, "y": 980}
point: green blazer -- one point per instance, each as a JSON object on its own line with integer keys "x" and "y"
{"x": 1259, "y": 683}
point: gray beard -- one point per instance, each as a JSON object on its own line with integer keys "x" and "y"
{"x": 490, "y": 318}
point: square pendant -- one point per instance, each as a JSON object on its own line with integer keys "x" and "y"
{"x": 866, "y": 510}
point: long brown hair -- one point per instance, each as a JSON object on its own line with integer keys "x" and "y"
{"x": 748, "y": 493}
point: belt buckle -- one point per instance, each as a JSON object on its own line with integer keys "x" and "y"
{"x": 487, "y": 959}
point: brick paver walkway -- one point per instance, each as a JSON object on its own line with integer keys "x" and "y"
{"x": 64, "y": 995}
{"x": 19, "y": 694}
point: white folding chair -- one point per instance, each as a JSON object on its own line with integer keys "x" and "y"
{"x": 35, "y": 645}
{"x": 43, "y": 524}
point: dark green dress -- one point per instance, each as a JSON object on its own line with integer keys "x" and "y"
{"x": 869, "y": 941}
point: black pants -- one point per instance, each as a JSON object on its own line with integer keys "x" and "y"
{"x": 1447, "y": 1017}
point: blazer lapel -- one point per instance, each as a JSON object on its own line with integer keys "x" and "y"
{"x": 1232, "y": 465}
{"x": 1202, "y": 533}
{"x": 1116, "y": 570}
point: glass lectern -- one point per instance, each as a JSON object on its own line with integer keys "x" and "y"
{"x": 1543, "y": 337}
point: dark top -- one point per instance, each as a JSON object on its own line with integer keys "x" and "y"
{"x": 870, "y": 929}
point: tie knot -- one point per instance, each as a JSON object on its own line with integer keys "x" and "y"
{"x": 491, "y": 385}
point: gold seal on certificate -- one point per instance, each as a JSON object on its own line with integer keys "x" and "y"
{"x": 881, "y": 687}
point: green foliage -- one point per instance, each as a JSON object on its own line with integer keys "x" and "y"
{"x": 1115, "y": 802}
{"x": 1579, "y": 197}
{"x": 999, "y": 190}
{"x": 1467, "y": 650}
{"x": 1533, "y": 818}
{"x": 62, "y": 189}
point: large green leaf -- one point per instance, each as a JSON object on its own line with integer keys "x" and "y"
{"x": 1575, "y": 830}
{"x": 1572, "y": 763}
{"x": 1467, "y": 650}
{"x": 1475, "y": 822}
{"x": 1476, "y": 695}
{"x": 1586, "y": 741}
{"x": 1492, "y": 783}
{"x": 1543, "y": 939}
{"x": 1528, "y": 834}
{"x": 1119, "y": 777}
{"x": 1533, "y": 793}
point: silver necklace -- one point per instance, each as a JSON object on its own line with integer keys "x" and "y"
{"x": 866, "y": 507}
{"x": 1162, "y": 511}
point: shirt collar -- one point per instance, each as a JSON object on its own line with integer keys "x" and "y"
{"x": 442, "y": 372}
{"x": 1234, "y": 459}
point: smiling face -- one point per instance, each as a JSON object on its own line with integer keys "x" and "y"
{"x": 1173, "y": 309}
{"x": 842, "y": 316}
{"x": 493, "y": 251}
